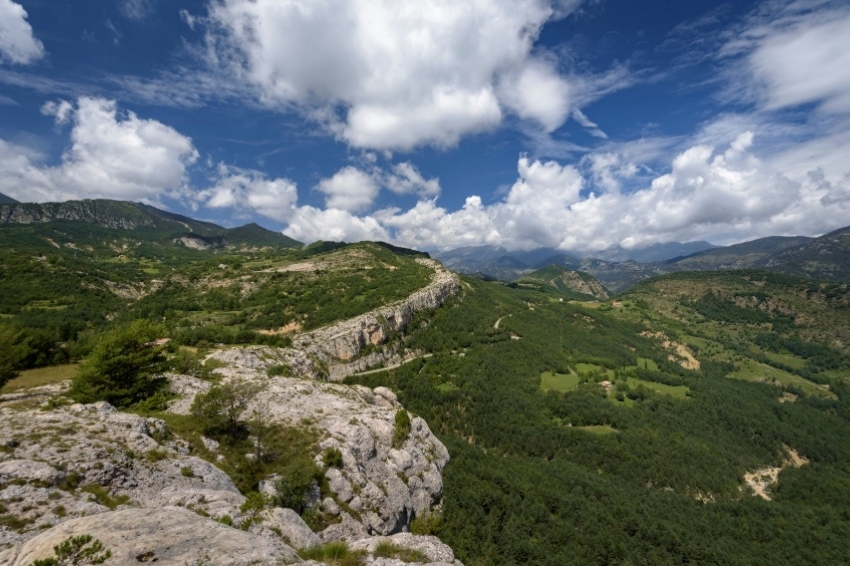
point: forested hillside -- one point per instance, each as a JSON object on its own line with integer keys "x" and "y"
{"x": 623, "y": 432}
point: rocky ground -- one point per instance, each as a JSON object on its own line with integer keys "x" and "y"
{"x": 69, "y": 469}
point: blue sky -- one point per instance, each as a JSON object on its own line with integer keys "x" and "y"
{"x": 438, "y": 123}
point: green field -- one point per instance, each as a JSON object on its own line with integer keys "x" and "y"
{"x": 550, "y": 381}
{"x": 750, "y": 370}
{"x": 677, "y": 391}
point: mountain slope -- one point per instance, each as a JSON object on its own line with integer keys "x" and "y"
{"x": 566, "y": 281}
{"x": 737, "y": 256}
{"x": 826, "y": 257}
{"x": 93, "y": 223}
{"x": 7, "y": 200}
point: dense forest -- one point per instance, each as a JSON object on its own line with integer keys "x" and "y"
{"x": 581, "y": 476}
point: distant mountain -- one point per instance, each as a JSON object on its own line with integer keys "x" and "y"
{"x": 566, "y": 281}
{"x": 97, "y": 223}
{"x": 737, "y": 256}
{"x": 826, "y": 257}
{"x": 655, "y": 252}
{"x": 7, "y": 200}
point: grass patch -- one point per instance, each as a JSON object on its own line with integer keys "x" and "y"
{"x": 550, "y": 381}
{"x": 598, "y": 429}
{"x": 334, "y": 553}
{"x": 41, "y": 376}
{"x": 646, "y": 363}
{"x": 677, "y": 391}
{"x": 103, "y": 497}
{"x": 387, "y": 549}
{"x": 750, "y": 370}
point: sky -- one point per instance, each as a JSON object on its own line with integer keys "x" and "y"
{"x": 572, "y": 124}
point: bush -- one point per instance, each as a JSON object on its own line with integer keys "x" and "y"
{"x": 332, "y": 458}
{"x": 218, "y": 410}
{"x": 428, "y": 524}
{"x": 9, "y": 357}
{"x": 76, "y": 550}
{"x": 122, "y": 367}
{"x": 402, "y": 428}
{"x": 294, "y": 486}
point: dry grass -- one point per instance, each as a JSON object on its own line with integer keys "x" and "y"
{"x": 40, "y": 376}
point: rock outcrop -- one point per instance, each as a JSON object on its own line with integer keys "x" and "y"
{"x": 171, "y": 535}
{"x": 386, "y": 486}
{"x": 337, "y": 345}
{"x": 131, "y": 483}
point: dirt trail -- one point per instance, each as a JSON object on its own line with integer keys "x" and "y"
{"x": 496, "y": 326}
{"x": 378, "y": 370}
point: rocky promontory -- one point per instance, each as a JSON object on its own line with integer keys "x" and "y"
{"x": 143, "y": 492}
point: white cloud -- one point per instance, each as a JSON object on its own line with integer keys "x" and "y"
{"x": 387, "y": 75}
{"x": 795, "y": 55}
{"x": 539, "y": 93}
{"x": 349, "y": 189}
{"x": 111, "y": 156}
{"x": 725, "y": 196}
{"x": 310, "y": 224}
{"x": 243, "y": 189}
{"x": 406, "y": 179}
{"x": 17, "y": 43}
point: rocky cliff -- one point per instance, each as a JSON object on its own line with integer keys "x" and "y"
{"x": 338, "y": 345}
{"x": 137, "y": 487}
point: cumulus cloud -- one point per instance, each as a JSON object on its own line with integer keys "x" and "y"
{"x": 725, "y": 195}
{"x": 112, "y": 155}
{"x": 355, "y": 190}
{"x": 349, "y": 189}
{"x": 310, "y": 224}
{"x": 17, "y": 43}
{"x": 242, "y": 189}
{"x": 384, "y": 75}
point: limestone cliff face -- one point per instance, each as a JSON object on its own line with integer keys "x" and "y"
{"x": 96, "y": 212}
{"x": 338, "y": 344}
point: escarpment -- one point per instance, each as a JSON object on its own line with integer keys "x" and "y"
{"x": 338, "y": 345}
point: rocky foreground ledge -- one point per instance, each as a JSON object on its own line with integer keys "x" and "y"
{"x": 127, "y": 481}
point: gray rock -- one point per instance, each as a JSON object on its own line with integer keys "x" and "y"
{"x": 292, "y": 528}
{"x": 29, "y": 471}
{"x": 346, "y": 530}
{"x": 432, "y": 547}
{"x": 172, "y": 535}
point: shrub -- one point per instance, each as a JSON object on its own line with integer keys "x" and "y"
{"x": 427, "y": 524}
{"x": 402, "y": 428}
{"x": 294, "y": 486}
{"x": 122, "y": 367}
{"x": 332, "y": 458}
{"x": 76, "y": 550}
{"x": 219, "y": 409}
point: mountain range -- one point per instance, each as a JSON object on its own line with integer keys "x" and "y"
{"x": 825, "y": 257}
